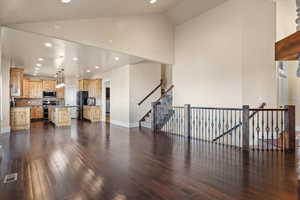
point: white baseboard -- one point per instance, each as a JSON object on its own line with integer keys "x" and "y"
{"x": 125, "y": 124}
{"x": 4, "y": 130}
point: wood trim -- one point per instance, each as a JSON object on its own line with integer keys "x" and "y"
{"x": 288, "y": 49}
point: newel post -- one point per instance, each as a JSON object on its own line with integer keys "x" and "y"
{"x": 187, "y": 120}
{"x": 290, "y": 128}
{"x": 153, "y": 116}
{"x": 246, "y": 127}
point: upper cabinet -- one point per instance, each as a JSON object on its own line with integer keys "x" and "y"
{"x": 49, "y": 85}
{"x": 36, "y": 89}
{"x": 16, "y": 79}
{"x": 25, "y": 87}
{"x": 84, "y": 85}
{"x": 60, "y": 93}
{"x": 93, "y": 86}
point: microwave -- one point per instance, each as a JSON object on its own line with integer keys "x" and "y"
{"x": 49, "y": 94}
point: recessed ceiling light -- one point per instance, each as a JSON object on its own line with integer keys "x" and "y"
{"x": 37, "y": 68}
{"x": 41, "y": 59}
{"x": 97, "y": 67}
{"x": 38, "y": 65}
{"x": 117, "y": 58}
{"x": 88, "y": 71}
{"x": 75, "y": 59}
{"x": 153, "y": 1}
{"x": 48, "y": 44}
{"x": 65, "y": 1}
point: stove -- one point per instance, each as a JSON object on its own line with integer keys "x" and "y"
{"x": 47, "y": 103}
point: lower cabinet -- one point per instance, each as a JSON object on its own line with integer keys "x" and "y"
{"x": 20, "y": 118}
{"x": 92, "y": 113}
{"x": 60, "y": 116}
{"x": 36, "y": 112}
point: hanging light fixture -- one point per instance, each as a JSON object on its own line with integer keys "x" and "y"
{"x": 60, "y": 79}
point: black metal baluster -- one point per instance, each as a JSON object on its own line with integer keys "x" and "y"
{"x": 223, "y": 120}
{"x": 282, "y": 131}
{"x": 240, "y": 121}
{"x": 231, "y": 143}
{"x": 253, "y": 133}
{"x": 267, "y": 130}
{"x": 272, "y": 128}
{"x": 257, "y": 129}
{"x": 235, "y": 123}
{"x": 220, "y": 128}
{"x": 262, "y": 130}
{"x": 277, "y": 130}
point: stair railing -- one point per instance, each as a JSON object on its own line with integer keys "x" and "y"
{"x": 158, "y": 101}
{"x": 150, "y": 93}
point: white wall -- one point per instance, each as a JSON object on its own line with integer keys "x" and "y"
{"x": 128, "y": 85}
{"x": 226, "y": 58}
{"x": 5, "y": 103}
{"x": 144, "y": 77}
{"x": 147, "y": 36}
{"x": 119, "y": 95}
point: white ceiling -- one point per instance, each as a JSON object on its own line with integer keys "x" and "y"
{"x": 23, "y": 11}
{"x": 24, "y": 49}
{"x": 20, "y": 11}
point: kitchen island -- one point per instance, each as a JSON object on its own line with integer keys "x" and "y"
{"x": 20, "y": 118}
{"x": 92, "y": 113}
{"x": 59, "y": 115}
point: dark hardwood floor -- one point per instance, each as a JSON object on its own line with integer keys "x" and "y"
{"x": 99, "y": 161}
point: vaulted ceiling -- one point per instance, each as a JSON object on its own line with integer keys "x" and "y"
{"x": 24, "y": 11}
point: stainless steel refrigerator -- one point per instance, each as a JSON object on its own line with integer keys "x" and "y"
{"x": 82, "y": 100}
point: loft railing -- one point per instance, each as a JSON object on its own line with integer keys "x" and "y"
{"x": 245, "y": 128}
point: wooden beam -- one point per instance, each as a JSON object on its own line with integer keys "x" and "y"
{"x": 288, "y": 48}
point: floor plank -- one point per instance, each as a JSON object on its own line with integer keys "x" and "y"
{"x": 101, "y": 161}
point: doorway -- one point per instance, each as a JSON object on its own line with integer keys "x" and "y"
{"x": 107, "y": 101}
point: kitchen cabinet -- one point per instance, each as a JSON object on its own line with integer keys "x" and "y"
{"x": 60, "y": 93}
{"x": 36, "y": 112}
{"x": 92, "y": 113}
{"x": 84, "y": 85}
{"x": 16, "y": 79}
{"x": 20, "y": 118}
{"x": 35, "y": 89}
{"x": 60, "y": 116}
{"x": 93, "y": 86}
{"x": 25, "y": 92}
{"x": 49, "y": 85}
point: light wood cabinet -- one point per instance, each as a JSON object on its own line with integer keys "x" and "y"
{"x": 16, "y": 79}
{"x": 36, "y": 112}
{"x": 93, "y": 86}
{"x": 84, "y": 85}
{"x": 35, "y": 89}
{"x": 60, "y": 116}
{"x": 25, "y": 87}
{"x": 20, "y": 118}
{"x": 60, "y": 93}
{"x": 92, "y": 113}
{"x": 49, "y": 85}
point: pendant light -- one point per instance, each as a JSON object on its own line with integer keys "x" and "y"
{"x": 60, "y": 79}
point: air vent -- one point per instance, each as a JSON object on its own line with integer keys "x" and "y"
{"x": 11, "y": 178}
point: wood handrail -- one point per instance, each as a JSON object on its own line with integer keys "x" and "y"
{"x": 162, "y": 96}
{"x": 154, "y": 90}
{"x": 165, "y": 93}
{"x": 240, "y": 123}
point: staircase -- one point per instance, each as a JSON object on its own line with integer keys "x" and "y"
{"x": 165, "y": 99}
